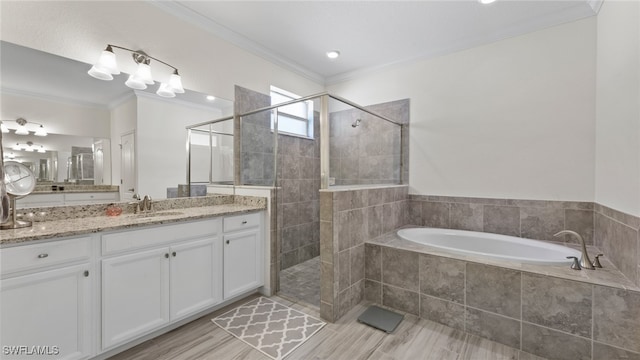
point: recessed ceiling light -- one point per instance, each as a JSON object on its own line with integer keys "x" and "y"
{"x": 486, "y": 2}
{"x": 210, "y": 97}
{"x": 333, "y": 54}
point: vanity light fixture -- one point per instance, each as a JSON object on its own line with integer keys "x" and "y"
{"x": 107, "y": 66}
{"x": 28, "y": 146}
{"x": 22, "y": 127}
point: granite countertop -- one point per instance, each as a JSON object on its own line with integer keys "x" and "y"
{"x": 609, "y": 275}
{"x": 72, "y": 226}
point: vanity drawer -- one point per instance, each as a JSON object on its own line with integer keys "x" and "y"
{"x": 240, "y": 222}
{"x": 158, "y": 235}
{"x": 91, "y": 197}
{"x": 27, "y": 257}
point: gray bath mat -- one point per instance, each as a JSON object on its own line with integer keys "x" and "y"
{"x": 270, "y": 327}
{"x": 380, "y": 318}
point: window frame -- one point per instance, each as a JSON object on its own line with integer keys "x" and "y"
{"x": 308, "y": 120}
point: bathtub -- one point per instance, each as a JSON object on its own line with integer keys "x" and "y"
{"x": 489, "y": 245}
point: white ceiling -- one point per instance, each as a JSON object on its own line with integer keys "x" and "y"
{"x": 369, "y": 34}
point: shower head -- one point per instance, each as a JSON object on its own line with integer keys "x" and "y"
{"x": 356, "y": 123}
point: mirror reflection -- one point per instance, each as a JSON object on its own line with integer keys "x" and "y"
{"x": 97, "y": 132}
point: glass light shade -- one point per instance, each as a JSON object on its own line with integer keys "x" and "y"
{"x": 41, "y": 149}
{"x": 176, "y": 83}
{"x": 100, "y": 73}
{"x": 144, "y": 73}
{"x": 40, "y": 131}
{"x": 22, "y": 130}
{"x": 4, "y": 128}
{"x": 165, "y": 91}
{"x": 107, "y": 61}
{"x": 135, "y": 83}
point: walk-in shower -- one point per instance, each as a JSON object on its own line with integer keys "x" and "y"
{"x": 300, "y": 147}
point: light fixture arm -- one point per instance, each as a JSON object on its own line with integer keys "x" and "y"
{"x": 140, "y": 56}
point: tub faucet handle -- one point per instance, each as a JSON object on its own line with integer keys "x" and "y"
{"x": 576, "y": 263}
{"x": 585, "y": 262}
{"x": 596, "y": 262}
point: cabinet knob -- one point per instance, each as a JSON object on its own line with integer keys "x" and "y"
{"x": 42, "y": 256}
{"x": 86, "y": 273}
{"x": 244, "y": 222}
{"x": 174, "y": 254}
{"x": 166, "y": 255}
{"x": 227, "y": 242}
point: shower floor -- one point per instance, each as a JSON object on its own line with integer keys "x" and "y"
{"x": 302, "y": 282}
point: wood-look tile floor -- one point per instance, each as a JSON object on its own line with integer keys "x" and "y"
{"x": 346, "y": 339}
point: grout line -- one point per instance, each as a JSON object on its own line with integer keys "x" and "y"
{"x": 521, "y": 306}
{"x": 593, "y": 298}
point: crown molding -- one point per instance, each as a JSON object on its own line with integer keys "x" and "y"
{"x": 197, "y": 19}
{"x": 121, "y": 100}
{"x": 595, "y": 5}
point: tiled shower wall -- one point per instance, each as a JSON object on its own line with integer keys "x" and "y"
{"x": 369, "y": 153}
{"x": 347, "y": 219}
{"x": 299, "y": 183}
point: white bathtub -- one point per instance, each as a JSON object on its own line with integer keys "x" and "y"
{"x": 493, "y": 246}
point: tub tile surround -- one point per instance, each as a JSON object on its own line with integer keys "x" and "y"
{"x": 540, "y": 314}
{"x": 348, "y": 218}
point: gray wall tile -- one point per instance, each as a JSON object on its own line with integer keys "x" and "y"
{"x": 326, "y": 282}
{"x": 620, "y": 244}
{"x": 373, "y": 291}
{"x": 442, "y": 311}
{"x": 344, "y": 263}
{"x": 357, "y": 263}
{"x": 442, "y": 277}
{"x": 603, "y": 351}
{"x": 502, "y": 220}
{"x": 556, "y": 303}
{"x": 554, "y": 344}
{"x": 435, "y": 214}
{"x": 541, "y": 223}
{"x": 466, "y": 217}
{"x": 373, "y": 262}
{"x": 400, "y": 268}
{"x": 493, "y": 289}
{"x": 401, "y": 299}
{"x": 616, "y": 316}
{"x": 580, "y": 221}
{"x": 493, "y": 327}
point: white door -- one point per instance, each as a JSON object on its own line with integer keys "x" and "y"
{"x": 128, "y": 166}
{"x": 135, "y": 295}
{"x": 50, "y": 309}
{"x": 196, "y": 276}
{"x": 242, "y": 267}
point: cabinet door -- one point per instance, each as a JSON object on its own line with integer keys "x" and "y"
{"x": 242, "y": 262}
{"x": 135, "y": 295}
{"x": 196, "y": 276}
{"x": 47, "y": 313}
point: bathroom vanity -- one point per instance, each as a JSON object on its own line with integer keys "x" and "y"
{"x": 98, "y": 285}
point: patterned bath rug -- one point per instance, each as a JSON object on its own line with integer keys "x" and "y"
{"x": 270, "y": 327}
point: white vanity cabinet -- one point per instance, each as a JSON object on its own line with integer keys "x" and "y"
{"x": 62, "y": 198}
{"x": 46, "y": 300}
{"x": 173, "y": 271}
{"x": 242, "y": 254}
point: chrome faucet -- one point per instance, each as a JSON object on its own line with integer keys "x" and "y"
{"x": 146, "y": 203}
{"x": 585, "y": 262}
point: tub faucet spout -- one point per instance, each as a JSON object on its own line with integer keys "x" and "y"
{"x": 585, "y": 262}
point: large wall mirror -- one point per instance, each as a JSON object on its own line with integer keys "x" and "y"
{"x": 98, "y": 132}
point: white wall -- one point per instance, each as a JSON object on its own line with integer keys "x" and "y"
{"x": 618, "y": 107}
{"x": 81, "y": 29}
{"x": 161, "y": 142}
{"x": 512, "y": 119}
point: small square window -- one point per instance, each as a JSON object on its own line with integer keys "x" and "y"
{"x": 295, "y": 119}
